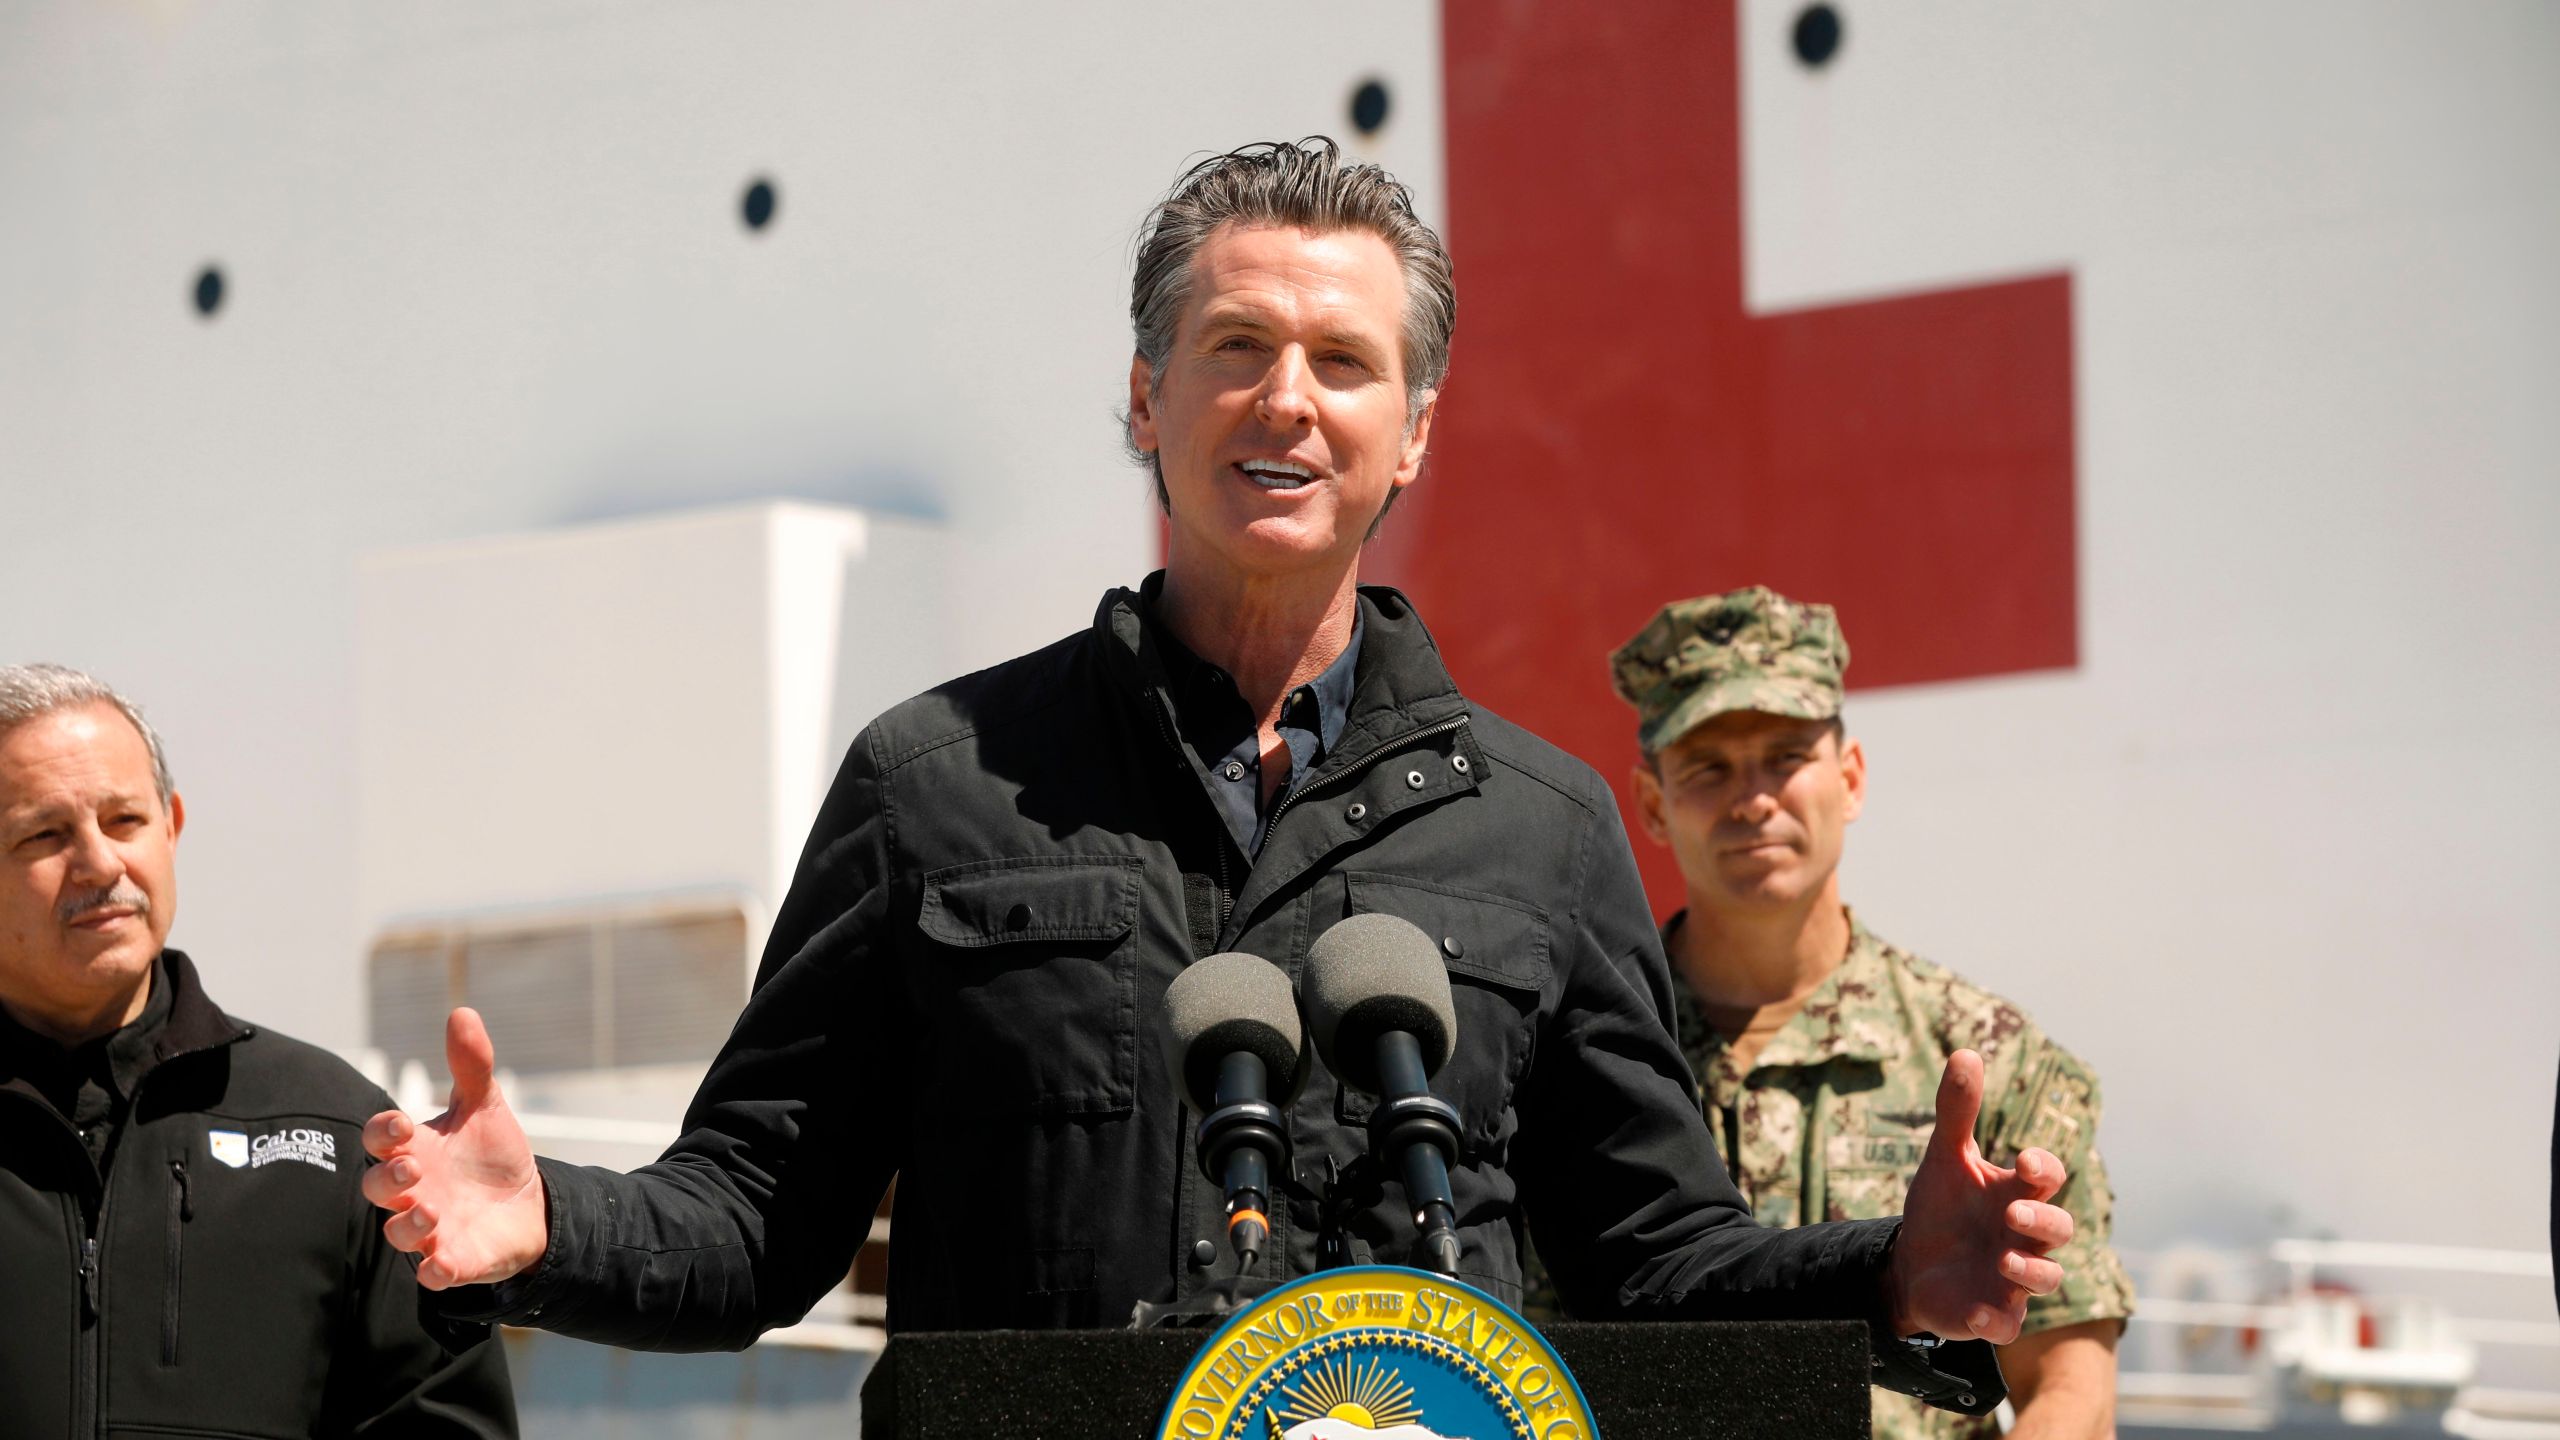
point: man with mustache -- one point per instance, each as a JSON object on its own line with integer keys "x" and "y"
{"x": 183, "y": 1247}
{"x": 1817, "y": 1045}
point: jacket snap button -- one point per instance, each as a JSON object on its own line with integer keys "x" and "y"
{"x": 1357, "y": 811}
{"x": 1018, "y": 918}
{"x": 1965, "y": 1399}
{"x": 1450, "y": 944}
{"x": 1203, "y": 1254}
{"x": 1413, "y": 778}
{"x": 1234, "y": 770}
{"x": 1458, "y": 763}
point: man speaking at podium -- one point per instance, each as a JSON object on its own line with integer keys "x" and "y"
{"x": 964, "y": 987}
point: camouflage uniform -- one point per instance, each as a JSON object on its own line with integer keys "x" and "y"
{"x": 1839, "y": 1105}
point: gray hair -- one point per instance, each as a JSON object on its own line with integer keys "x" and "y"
{"x": 1305, "y": 184}
{"x": 30, "y": 692}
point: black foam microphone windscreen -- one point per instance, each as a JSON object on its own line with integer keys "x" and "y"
{"x": 1366, "y": 976}
{"x": 1225, "y": 1003}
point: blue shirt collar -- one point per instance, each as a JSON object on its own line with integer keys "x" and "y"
{"x": 1221, "y": 731}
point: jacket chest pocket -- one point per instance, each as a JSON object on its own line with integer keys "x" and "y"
{"x": 1030, "y": 978}
{"x": 1495, "y": 949}
{"x": 231, "y": 1238}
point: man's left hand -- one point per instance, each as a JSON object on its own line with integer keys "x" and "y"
{"x": 1974, "y": 1236}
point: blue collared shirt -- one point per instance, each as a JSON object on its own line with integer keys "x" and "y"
{"x": 1222, "y": 730}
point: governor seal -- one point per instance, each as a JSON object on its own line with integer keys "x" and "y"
{"x": 1377, "y": 1353}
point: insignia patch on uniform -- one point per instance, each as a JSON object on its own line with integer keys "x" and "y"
{"x": 1376, "y": 1353}
{"x": 1893, "y": 1152}
{"x": 311, "y": 1147}
{"x": 231, "y": 1147}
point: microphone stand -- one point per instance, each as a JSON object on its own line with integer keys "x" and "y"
{"x": 1240, "y": 1140}
{"x": 1418, "y": 1132}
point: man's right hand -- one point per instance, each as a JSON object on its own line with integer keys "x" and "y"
{"x": 462, "y": 1189}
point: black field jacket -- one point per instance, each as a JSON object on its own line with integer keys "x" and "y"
{"x": 227, "y": 1278}
{"x": 964, "y": 990}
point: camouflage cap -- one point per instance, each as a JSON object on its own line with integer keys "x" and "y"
{"x": 1751, "y": 649}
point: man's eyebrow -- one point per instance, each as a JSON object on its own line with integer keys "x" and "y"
{"x": 37, "y": 812}
{"x": 18, "y": 816}
{"x": 1234, "y": 318}
{"x": 1242, "y": 318}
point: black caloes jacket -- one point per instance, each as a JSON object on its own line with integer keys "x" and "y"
{"x": 227, "y": 1278}
{"x": 965, "y": 987}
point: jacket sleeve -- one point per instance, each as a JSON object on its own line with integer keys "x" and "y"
{"x": 1629, "y": 1204}
{"x": 758, "y": 1209}
{"x": 399, "y": 1371}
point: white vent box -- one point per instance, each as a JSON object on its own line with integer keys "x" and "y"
{"x": 589, "y": 758}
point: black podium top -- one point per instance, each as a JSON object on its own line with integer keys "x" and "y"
{"x": 1790, "y": 1380}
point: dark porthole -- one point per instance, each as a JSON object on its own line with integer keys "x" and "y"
{"x": 1369, "y": 106}
{"x": 208, "y": 294}
{"x": 1817, "y": 35}
{"x": 756, "y": 207}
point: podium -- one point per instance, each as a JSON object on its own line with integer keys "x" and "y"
{"x": 1734, "y": 1380}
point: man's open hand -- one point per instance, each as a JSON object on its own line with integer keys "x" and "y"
{"x": 462, "y": 1189}
{"x": 1974, "y": 1236}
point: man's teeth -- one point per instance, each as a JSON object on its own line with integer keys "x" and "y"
{"x": 1277, "y": 474}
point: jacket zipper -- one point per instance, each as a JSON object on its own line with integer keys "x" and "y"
{"x": 89, "y": 1280}
{"x": 181, "y": 1210}
{"x": 84, "y": 1398}
{"x": 1226, "y": 891}
{"x": 1348, "y": 770}
{"x": 1354, "y": 767}
{"x": 86, "y": 1356}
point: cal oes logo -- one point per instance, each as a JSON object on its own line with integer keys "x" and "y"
{"x": 239, "y": 1149}
{"x": 1379, "y": 1352}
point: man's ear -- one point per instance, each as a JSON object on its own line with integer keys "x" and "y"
{"x": 1142, "y": 415}
{"x": 177, "y": 813}
{"x": 1853, "y": 774}
{"x": 1649, "y": 802}
{"x": 1417, "y": 440}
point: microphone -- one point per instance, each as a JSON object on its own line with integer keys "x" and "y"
{"x": 1233, "y": 1039}
{"x": 1378, "y": 1002}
